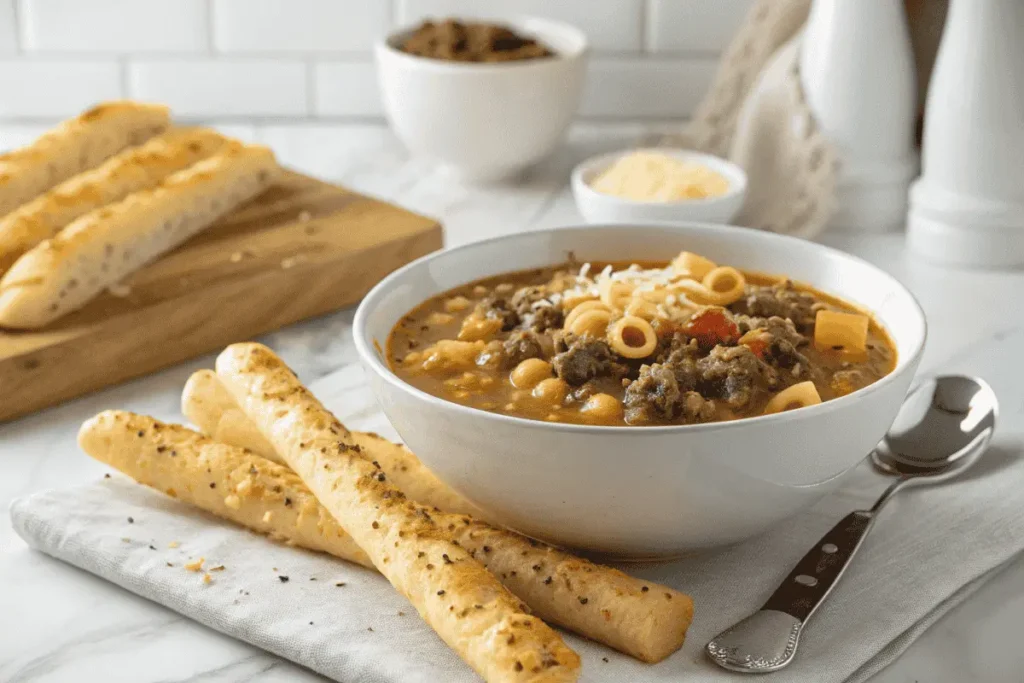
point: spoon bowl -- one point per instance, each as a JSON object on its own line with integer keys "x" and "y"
{"x": 942, "y": 429}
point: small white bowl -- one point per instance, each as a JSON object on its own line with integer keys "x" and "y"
{"x": 642, "y": 492}
{"x": 486, "y": 121}
{"x": 598, "y": 207}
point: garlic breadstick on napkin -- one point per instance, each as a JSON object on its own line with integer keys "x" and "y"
{"x": 210, "y": 407}
{"x": 99, "y": 249}
{"x": 638, "y": 618}
{"x": 463, "y": 602}
{"x": 133, "y": 169}
{"x": 226, "y": 480}
{"x": 75, "y": 146}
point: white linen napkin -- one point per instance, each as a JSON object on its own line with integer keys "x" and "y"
{"x": 932, "y": 548}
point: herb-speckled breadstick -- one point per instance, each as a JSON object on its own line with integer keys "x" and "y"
{"x": 134, "y": 169}
{"x": 641, "y": 619}
{"x": 228, "y": 481}
{"x": 210, "y": 407}
{"x": 463, "y": 602}
{"x": 74, "y": 146}
{"x": 62, "y": 274}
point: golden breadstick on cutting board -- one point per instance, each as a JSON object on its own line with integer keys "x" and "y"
{"x": 74, "y": 146}
{"x": 134, "y": 169}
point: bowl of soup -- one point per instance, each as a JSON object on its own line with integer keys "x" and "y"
{"x": 640, "y": 391}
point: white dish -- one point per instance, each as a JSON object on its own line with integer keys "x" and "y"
{"x": 642, "y": 492}
{"x": 597, "y": 207}
{"x": 485, "y": 121}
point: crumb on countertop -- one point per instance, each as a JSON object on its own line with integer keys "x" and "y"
{"x": 173, "y": 544}
{"x": 195, "y": 565}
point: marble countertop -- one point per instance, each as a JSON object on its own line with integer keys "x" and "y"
{"x": 60, "y": 624}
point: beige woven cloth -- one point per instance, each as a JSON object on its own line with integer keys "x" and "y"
{"x": 755, "y": 115}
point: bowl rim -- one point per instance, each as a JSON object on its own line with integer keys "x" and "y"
{"x": 538, "y": 26}
{"x": 733, "y": 173}
{"x": 370, "y": 357}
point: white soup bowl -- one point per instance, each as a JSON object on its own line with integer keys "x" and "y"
{"x": 642, "y": 492}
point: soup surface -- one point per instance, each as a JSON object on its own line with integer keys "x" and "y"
{"x": 638, "y": 344}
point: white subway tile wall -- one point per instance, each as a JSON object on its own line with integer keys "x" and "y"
{"x": 8, "y": 28}
{"x": 303, "y": 26}
{"x": 684, "y": 27}
{"x": 56, "y": 87}
{"x": 284, "y": 60}
{"x": 114, "y": 26}
{"x": 228, "y": 87}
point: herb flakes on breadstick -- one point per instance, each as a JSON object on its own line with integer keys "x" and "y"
{"x": 134, "y": 169}
{"x": 101, "y": 248}
{"x": 74, "y": 146}
{"x": 465, "y": 604}
{"x": 225, "y": 480}
{"x": 210, "y": 407}
{"x": 642, "y": 619}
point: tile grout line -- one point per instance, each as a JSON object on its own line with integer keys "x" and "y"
{"x": 19, "y": 29}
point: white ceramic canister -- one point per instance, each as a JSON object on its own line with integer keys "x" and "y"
{"x": 857, "y": 72}
{"x": 968, "y": 206}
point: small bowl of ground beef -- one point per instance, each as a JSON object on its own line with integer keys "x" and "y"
{"x": 487, "y": 100}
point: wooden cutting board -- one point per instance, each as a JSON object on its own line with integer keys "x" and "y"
{"x": 301, "y": 249}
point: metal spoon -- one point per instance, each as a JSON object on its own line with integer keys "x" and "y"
{"x": 942, "y": 429}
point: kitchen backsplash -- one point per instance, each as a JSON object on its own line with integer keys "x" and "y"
{"x": 312, "y": 59}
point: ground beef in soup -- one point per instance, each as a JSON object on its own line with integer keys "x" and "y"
{"x": 523, "y": 344}
{"x": 656, "y": 396}
{"x": 580, "y": 359}
{"x": 846, "y": 381}
{"x": 498, "y": 308}
{"x": 782, "y": 300}
{"x": 775, "y": 340}
{"x": 778, "y": 328}
{"x": 734, "y": 374}
{"x": 535, "y": 310}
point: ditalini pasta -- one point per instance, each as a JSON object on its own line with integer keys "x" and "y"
{"x": 841, "y": 331}
{"x": 670, "y": 343}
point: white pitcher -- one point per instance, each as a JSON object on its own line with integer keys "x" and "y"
{"x": 857, "y": 72}
{"x": 968, "y": 206}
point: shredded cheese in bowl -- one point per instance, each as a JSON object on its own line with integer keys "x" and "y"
{"x": 649, "y": 176}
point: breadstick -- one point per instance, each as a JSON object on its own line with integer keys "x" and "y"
{"x": 641, "y": 619}
{"x": 134, "y": 169}
{"x": 207, "y": 404}
{"x": 463, "y": 602}
{"x": 75, "y": 146}
{"x": 210, "y": 407}
{"x": 228, "y": 481}
{"x": 99, "y": 249}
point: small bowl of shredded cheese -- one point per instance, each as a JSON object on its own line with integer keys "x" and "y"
{"x": 659, "y": 184}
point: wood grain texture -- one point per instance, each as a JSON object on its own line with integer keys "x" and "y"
{"x": 301, "y": 249}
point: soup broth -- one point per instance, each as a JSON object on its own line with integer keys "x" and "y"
{"x": 638, "y": 344}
